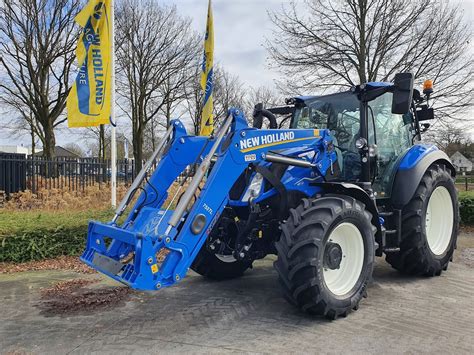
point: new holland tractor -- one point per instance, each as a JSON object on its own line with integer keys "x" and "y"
{"x": 343, "y": 184}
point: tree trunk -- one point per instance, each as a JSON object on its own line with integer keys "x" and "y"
{"x": 138, "y": 149}
{"x": 102, "y": 152}
{"x": 33, "y": 146}
{"x": 48, "y": 148}
{"x": 33, "y": 180}
{"x": 362, "y": 41}
{"x": 153, "y": 138}
{"x": 168, "y": 114}
{"x": 49, "y": 141}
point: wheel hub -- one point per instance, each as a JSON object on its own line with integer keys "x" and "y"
{"x": 332, "y": 256}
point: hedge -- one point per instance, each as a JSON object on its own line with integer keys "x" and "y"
{"x": 40, "y": 244}
{"x": 27, "y": 236}
{"x": 466, "y": 206}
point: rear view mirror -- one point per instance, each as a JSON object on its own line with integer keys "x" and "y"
{"x": 402, "y": 93}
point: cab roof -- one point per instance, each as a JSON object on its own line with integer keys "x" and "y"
{"x": 369, "y": 85}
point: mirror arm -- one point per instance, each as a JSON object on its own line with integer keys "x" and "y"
{"x": 417, "y": 123}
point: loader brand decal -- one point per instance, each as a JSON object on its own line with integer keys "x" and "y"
{"x": 268, "y": 139}
{"x": 253, "y": 143}
{"x": 207, "y": 209}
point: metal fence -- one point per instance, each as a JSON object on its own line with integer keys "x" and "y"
{"x": 12, "y": 172}
{"x": 19, "y": 173}
{"x": 465, "y": 182}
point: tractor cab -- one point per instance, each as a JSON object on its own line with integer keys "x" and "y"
{"x": 372, "y": 125}
{"x": 389, "y": 134}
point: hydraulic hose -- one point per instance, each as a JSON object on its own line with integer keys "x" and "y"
{"x": 259, "y": 112}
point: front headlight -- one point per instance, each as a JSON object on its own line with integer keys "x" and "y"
{"x": 254, "y": 188}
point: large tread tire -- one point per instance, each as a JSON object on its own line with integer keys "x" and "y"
{"x": 301, "y": 249}
{"x": 415, "y": 256}
{"x": 208, "y": 265}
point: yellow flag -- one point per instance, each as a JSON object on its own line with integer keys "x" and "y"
{"x": 90, "y": 99}
{"x": 207, "y": 119}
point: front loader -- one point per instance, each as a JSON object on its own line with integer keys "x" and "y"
{"x": 343, "y": 184}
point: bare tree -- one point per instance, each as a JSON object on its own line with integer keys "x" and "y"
{"x": 451, "y": 138}
{"x": 154, "y": 44}
{"x": 264, "y": 95}
{"x": 347, "y": 42}
{"x": 75, "y": 148}
{"x": 193, "y": 97}
{"x": 228, "y": 92}
{"x": 37, "y": 42}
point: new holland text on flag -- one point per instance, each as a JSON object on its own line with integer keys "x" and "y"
{"x": 89, "y": 101}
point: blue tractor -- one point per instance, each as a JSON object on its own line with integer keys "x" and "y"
{"x": 345, "y": 182}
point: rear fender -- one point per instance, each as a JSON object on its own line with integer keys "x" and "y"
{"x": 355, "y": 191}
{"x": 411, "y": 170}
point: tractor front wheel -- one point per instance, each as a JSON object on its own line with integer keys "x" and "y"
{"x": 326, "y": 255}
{"x": 219, "y": 267}
{"x": 430, "y": 223}
{"x": 221, "y": 264}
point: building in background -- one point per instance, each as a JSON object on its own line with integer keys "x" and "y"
{"x": 461, "y": 163}
{"x": 60, "y": 152}
{"x": 14, "y": 149}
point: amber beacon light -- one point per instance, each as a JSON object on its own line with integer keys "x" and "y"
{"x": 428, "y": 87}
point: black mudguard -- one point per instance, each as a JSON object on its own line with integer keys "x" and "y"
{"x": 406, "y": 181}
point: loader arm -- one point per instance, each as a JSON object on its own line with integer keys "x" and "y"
{"x": 151, "y": 231}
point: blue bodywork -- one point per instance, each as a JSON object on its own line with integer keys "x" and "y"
{"x": 415, "y": 154}
{"x": 130, "y": 252}
{"x": 144, "y": 231}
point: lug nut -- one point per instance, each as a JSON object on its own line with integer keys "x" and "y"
{"x": 242, "y": 255}
{"x": 177, "y": 278}
{"x": 158, "y": 286}
{"x": 150, "y": 260}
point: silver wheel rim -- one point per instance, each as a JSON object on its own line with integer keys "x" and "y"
{"x": 439, "y": 220}
{"x": 341, "y": 281}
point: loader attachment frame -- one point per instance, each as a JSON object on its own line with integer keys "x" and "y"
{"x": 155, "y": 246}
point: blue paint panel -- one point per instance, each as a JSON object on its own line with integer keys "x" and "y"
{"x": 415, "y": 155}
{"x": 374, "y": 84}
{"x": 144, "y": 233}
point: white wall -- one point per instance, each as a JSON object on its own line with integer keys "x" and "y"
{"x": 14, "y": 149}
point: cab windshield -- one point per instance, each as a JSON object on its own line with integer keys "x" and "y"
{"x": 340, "y": 113}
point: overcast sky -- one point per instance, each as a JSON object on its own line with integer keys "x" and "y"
{"x": 241, "y": 27}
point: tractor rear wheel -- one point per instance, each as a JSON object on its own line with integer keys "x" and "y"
{"x": 430, "y": 224}
{"x": 326, "y": 255}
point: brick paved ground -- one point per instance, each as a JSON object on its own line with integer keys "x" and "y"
{"x": 401, "y": 315}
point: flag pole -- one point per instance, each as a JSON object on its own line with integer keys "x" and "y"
{"x": 113, "y": 180}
